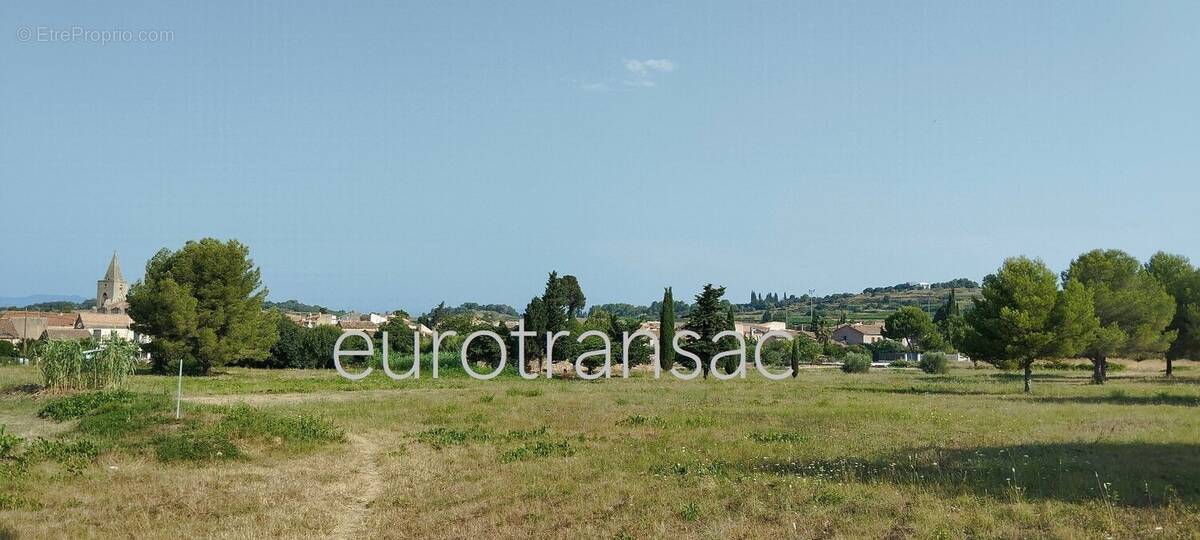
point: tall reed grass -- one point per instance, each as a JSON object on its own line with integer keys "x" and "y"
{"x": 68, "y": 365}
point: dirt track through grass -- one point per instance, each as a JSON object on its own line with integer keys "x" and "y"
{"x": 370, "y": 483}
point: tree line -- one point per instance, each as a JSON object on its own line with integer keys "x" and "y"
{"x": 203, "y": 305}
{"x": 1106, "y": 304}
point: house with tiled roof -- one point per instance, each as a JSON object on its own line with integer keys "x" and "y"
{"x": 858, "y": 333}
{"x": 106, "y": 325}
{"x": 65, "y": 334}
{"x": 366, "y": 326}
{"x": 16, "y": 329}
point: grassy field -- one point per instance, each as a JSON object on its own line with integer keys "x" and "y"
{"x": 888, "y": 454}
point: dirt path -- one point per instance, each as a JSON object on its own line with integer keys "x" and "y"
{"x": 368, "y": 484}
{"x": 366, "y": 481}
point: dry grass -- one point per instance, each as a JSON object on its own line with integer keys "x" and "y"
{"x": 883, "y": 454}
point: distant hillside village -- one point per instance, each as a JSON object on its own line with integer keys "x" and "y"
{"x": 108, "y": 315}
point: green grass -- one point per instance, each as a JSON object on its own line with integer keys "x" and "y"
{"x": 141, "y": 423}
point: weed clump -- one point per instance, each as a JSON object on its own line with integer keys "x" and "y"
{"x": 441, "y": 437}
{"x": 776, "y": 437}
{"x": 194, "y": 446}
{"x": 640, "y": 420}
{"x": 245, "y": 422}
{"x": 8, "y": 443}
{"x": 539, "y": 449}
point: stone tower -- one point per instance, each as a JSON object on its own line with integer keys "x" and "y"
{"x": 111, "y": 291}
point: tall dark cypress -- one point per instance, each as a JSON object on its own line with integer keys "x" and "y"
{"x": 666, "y": 331}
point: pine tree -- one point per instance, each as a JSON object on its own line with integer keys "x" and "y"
{"x": 1182, "y": 281}
{"x": 1133, "y": 308}
{"x": 202, "y": 304}
{"x": 1023, "y": 317}
{"x": 666, "y": 331}
{"x": 766, "y": 316}
{"x": 705, "y": 319}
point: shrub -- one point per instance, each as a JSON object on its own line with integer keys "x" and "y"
{"x": 856, "y": 363}
{"x": 934, "y": 362}
{"x": 902, "y": 364}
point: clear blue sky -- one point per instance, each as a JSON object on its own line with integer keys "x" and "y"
{"x": 394, "y": 155}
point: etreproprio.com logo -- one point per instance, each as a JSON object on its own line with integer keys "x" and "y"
{"x": 605, "y": 371}
{"x": 80, "y": 34}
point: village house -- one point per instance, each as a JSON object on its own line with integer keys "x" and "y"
{"x": 419, "y": 328}
{"x": 366, "y": 326}
{"x": 103, "y": 326}
{"x": 757, "y": 330}
{"x": 30, "y": 325}
{"x": 858, "y": 333}
{"x": 66, "y": 334}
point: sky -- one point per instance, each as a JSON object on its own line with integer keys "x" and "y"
{"x": 393, "y": 155}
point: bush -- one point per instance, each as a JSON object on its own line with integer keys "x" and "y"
{"x": 902, "y": 364}
{"x": 934, "y": 362}
{"x": 834, "y": 351}
{"x": 856, "y": 363}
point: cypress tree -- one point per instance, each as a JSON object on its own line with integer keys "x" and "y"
{"x": 666, "y": 331}
{"x": 795, "y": 356}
